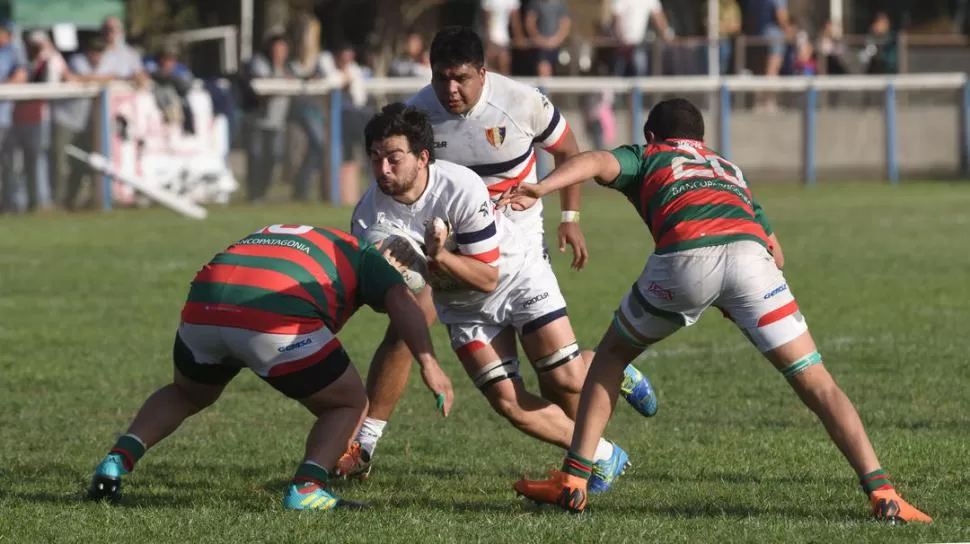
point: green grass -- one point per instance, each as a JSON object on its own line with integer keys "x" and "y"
{"x": 89, "y": 305}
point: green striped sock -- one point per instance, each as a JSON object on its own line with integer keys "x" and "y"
{"x": 312, "y": 473}
{"x": 131, "y": 448}
{"x": 877, "y": 479}
{"x": 577, "y": 466}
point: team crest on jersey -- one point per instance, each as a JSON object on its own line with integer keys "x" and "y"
{"x": 495, "y": 135}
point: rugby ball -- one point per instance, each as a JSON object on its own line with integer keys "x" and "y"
{"x": 405, "y": 250}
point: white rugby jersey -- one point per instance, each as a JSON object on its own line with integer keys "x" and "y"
{"x": 497, "y": 137}
{"x": 456, "y": 194}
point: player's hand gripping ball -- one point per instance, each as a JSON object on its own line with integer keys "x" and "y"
{"x": 401, "y": 251}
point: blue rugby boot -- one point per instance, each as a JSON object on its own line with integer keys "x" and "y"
{"x": 607, "y": 471}
{"x": 638, "y": 391}
{"x": 106, "y": 482}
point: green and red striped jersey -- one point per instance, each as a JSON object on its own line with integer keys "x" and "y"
{"x": 286, "y": 279}
{"x": 689, "y": 196}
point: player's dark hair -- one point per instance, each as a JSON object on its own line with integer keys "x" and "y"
{"x": 399, "y": 119}
{"x": 453, "y": 46}
{"x": 675, "y": 118}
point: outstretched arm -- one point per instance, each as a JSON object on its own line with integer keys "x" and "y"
{"x": 408, "y": 320}
{"x": 601, "y": 165}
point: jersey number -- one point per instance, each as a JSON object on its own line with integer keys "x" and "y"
{"x": 707, "y": 167}
{"x": 287, "y": 229}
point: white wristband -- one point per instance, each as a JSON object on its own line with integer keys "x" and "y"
{"x": 569, "y": 217}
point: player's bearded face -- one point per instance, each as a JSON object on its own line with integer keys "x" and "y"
{"x": 458, "y": 88}
{"x": 396, "y": 169}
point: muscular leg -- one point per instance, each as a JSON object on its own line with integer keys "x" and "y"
{"x": 167, "y": 408}
{"x": 495, "y": 372}
{"x": 338, "y": 408}
{"x": 560, "y": 365}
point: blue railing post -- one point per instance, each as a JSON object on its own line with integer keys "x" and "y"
{"x": 965, "y": 130}
{"x": 811, "y": 100}
{"x": 336, "y": 145}
{"x": 636, "y": 114}
{"x": 724, "y": 122}
{"x": 106, "y": 127}
{"x": 892, "y": 160}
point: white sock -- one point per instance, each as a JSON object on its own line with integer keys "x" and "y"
{"x": 370, "y": 432}
{"x": 604, "y": 450}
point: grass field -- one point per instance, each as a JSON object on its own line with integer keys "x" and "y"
{"x": 89, "y": 305}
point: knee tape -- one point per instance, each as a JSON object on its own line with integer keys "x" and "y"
{"x": 557, "y": 359}
{"x": 801, "y": 365}
{"x": 496, "y": 372}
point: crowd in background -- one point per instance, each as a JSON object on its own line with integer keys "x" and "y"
{"x": 531, "y": 39}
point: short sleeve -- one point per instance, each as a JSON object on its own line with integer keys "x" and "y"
{"x": 630, "y": 158}
{"x": 548, "y": 124}
{"x": 475, "y": 231}
{"x": 376, "y": 277}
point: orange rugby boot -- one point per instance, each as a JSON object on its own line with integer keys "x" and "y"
{"x": 887, "y": 505}
{"x": 562, "y": 489}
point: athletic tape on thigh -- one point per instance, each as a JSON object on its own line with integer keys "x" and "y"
{"x": 557, "y": 359}
{"x": 800, "y": 365}
{"x": 496, "y": 372}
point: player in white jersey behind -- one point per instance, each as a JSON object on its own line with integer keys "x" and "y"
{"x": 491, "y": 124}
{"x": 484, "y": 277}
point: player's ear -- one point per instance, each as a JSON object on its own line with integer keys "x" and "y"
{"x": 649, "y": 136}
{"x": 425, "y": 157}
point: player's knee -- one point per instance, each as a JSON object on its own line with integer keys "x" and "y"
{"x": 563, "y": 370}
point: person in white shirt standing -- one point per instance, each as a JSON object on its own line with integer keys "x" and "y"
{"x": 630, "y": 20}
{"x": 491, "y": 124}
{"x": 500, "y": 16}
{"x": 485, "y": 278}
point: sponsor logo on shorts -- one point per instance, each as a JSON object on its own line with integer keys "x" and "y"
{"x": 535, "y": 299}
{"x": 780, "y": 289}
{"x": 295, "y": 345}
{"x": 659, "y": 291}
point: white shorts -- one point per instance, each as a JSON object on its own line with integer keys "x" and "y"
{"x": 530, "y": 301}
{"x": 298, "y": 365}
{"x": 739, "y": 278}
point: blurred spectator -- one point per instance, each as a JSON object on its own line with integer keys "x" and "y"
{"x": 341, "y": 69}
{"x": 120, "y": 59}
{"x": 499, "y": 17}
{"x": 631, "y": 19}
{"x": 73, "y": 124}
{"x": 804, "y": 63}
{"x": 13, "y": 69}
{"x": 415, "y": 62}
{"x": 880, "y": 55}
{"x": 305, "y": 111}
{"x": 769, "y": 20}
{"x": 173, "y": 81}
{"x": 547, "y": 24}
{"x": 266, "y": 116}
{"x": 729, "y": 26}
{"x": 831, "y": 50}
{"x": 31, "y": 131}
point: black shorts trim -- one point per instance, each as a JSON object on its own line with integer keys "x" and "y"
{"x": 542, "y": 321}
{"x": 209, "y": 374}
{"x": 307, "y": 381}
